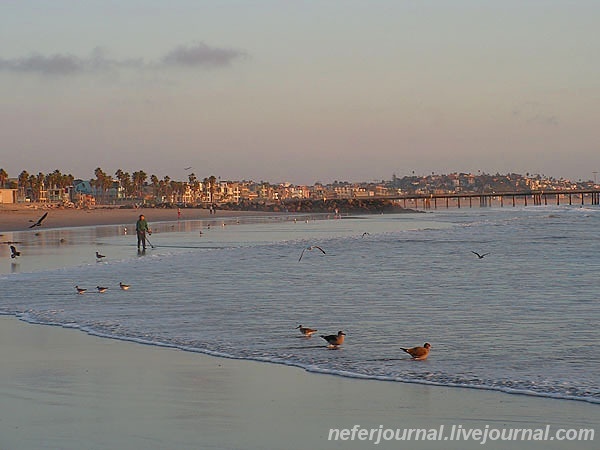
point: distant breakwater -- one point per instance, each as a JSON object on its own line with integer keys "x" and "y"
{"x": 333, "y": 206}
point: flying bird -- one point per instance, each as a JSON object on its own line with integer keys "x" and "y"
{"x": 480, "y": 256}
{"x": 101, "y": 289}
{"x": 335, "y": 340}
{"x": 418, "y": 353}
{"x": 310, "y": 248}
{"x": 123, "y": 286}
{"x": 187, "y": 168}
{"x": 13, "y": 252}
{"x": 39, "y": 221}
{"x": 99, "y": 256}
{"x": 80, "y": 290}
{"x": 308, "y": 332}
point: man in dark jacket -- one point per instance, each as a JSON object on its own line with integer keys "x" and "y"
{"x": 141, "y": 227}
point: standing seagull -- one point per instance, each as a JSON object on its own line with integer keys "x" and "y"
{"x": 39, "y": 221}
{"x": 418, "y": 353}
{"x": 80, "y": 290}
{"x": 335, "y": 340}
{"x": 99, "y": 256}
{"x": 308, "y": 332}
{"x": 13, "y": 252}
{"x": 478, "y": 255}
{"x": 310, "y": 248}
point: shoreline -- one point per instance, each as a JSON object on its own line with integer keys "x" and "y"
{"x": 18, "y": 217}
{"x": 65, "y": 389}
{"x": 315, "y": 371}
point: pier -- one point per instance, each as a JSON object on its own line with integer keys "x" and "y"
{"x": 501, "y": 199}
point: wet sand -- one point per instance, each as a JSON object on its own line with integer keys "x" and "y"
{"x": 64, "y": 389}
{"x": 20, "y": 218}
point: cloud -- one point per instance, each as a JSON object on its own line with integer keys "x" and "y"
{"x": 197, "y": 55}
{"x": 49, "y": 65}
{"x": 201, "y": 55}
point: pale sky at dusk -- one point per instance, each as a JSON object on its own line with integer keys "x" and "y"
{"x": 300, "y": 91}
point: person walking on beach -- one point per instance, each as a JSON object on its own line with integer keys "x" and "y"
{"x": 141, "y": 227}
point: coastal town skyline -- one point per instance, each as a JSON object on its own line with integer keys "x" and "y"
{"x": 140, "y": 187}
{"x": 143, "y": 176}
{"x": 300, "y": 92}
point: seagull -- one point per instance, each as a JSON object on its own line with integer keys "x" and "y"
{"x": 80, "y": 290}
{"x": 478, "y": 255}
{"x": 366, "y": 234}
{"x": 418, "y": 353}
{"x": 13, "y": 252}
{"x": 310, "y": 248}
{"x": 308, "y": 332}
{"x": 335, "y": 340}
{"x": 99, "y": 256}
{"x": 101, "y": 289}
{"x": 187, "y": 168}
{"x": 124, "y": 286}
{"x": 39, "y": 221}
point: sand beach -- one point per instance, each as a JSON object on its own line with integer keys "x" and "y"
{"x": 18, "y": 217}
{"x": 62, "y": 388}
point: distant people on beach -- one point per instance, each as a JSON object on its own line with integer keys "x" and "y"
{"x": 178, "y": 213}
{"x": 141, "y": 228}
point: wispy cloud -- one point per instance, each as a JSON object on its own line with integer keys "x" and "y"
{"x": 201, "y": 55}
{"x": 198, "y": 55}
{"x": 49, "y": 65}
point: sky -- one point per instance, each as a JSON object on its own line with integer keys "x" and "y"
{"x": 300, "y": 92}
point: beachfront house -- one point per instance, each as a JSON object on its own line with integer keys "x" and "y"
{"x": 8, "y": 196}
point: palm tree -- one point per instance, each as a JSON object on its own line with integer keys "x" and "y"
{"x": 100, "y": 182}
{"x": 195, "y": 184}
{"x": 123, "y": 178}
{"x": 36, "y": 183}
{"x": 3, "y": 177}
{"x": 22, "y": 181}
{"x": 212, "y": 181}
{"x": 166, "y": 188}
{"x": 139, "y": 178}
{"x": 128, "y": 185}
{"x": 155, "y": 185}
{"x": 178, "y": 188}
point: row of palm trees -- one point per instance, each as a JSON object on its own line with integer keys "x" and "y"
{"x": 132, "y": 185}
{"x": 35, "y": 184}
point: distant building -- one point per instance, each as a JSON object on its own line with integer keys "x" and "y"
{"x": 8, "y": 196}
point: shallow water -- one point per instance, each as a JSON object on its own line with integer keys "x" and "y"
{"x": 523, "y": 319}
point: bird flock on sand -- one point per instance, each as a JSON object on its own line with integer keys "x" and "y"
{"x": 334, "y": 341}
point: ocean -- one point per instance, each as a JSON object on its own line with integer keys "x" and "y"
{"x": 523, "y": 320}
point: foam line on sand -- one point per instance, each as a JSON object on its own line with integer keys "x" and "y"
{"x": 64, "y": 389}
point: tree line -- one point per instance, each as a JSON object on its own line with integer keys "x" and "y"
{"x": 132, "y": 185}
